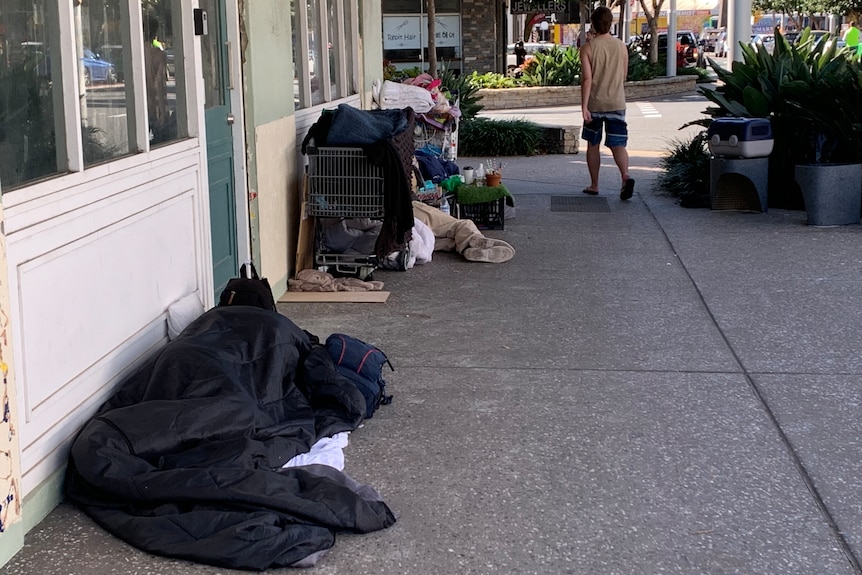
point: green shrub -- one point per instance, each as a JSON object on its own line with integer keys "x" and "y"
{"x": 393, "y": 75}
{"x": 490, "y": 137}
{"x": 493, "y": 81}
{"x": 556, "y": 67}
{"x": 685, "y": 171}
{"x": 461, "y": 89}
{"x": 640, "y": 67}
{"x": 701, "y": 73}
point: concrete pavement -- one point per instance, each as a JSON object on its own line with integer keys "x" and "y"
{"x": 644, "y": 389}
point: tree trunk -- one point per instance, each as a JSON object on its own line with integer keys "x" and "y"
{"x": 432, "y": 38}
{"x": 653, "y": 43}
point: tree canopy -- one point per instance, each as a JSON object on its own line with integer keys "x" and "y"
{"x": 798, "y": 9}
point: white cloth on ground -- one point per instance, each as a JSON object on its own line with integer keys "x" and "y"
{"x": 422, "y": 244}
{"x": 325, "y": 451}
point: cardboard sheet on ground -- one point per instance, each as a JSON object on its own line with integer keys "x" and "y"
{"x": 334, "y": 296}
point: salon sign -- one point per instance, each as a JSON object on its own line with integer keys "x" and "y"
{"x": 404, "y": 32}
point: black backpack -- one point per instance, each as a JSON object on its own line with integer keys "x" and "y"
{"x": 362, "y": 363}
{"x": 245, "y": 290}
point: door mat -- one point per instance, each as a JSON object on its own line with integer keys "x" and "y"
{"x": 334, "y": 296}
{"x": 579, "y": 204}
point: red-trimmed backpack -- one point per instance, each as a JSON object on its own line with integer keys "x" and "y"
{"x": 362, "y": 363}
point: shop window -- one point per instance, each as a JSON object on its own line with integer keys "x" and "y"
{"x": 325, "y": 50}
{"x": 405, "y": 40}
{"x": 28, "y": 109}
{"x": 164, "y": 85}
{"x": 105, "y": 110}
{"x": 34, "y": 140}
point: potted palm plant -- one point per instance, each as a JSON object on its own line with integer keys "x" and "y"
{"x": 828, "y": 167}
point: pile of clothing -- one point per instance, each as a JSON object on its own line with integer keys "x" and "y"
{"x": 186, "y": 459}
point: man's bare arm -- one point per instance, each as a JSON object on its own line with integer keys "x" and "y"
{"x": 586, "y": 82}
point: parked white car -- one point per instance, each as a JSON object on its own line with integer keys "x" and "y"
{"x": 530, "y": 47}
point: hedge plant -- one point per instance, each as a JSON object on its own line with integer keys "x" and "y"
{"x": 492, "y": 137}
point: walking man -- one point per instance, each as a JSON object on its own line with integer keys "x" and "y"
{"x": 604, "y": 65}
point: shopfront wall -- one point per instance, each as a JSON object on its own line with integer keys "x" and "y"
{"x": 104, "y": 191}
{"x": 107, "y": 216}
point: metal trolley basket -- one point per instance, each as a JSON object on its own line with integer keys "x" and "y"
{"x": 342, "y": 183}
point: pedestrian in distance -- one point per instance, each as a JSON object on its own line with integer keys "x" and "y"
{"x": 604, "y": 65}
{"x": 851, "y": 38}
{"x": 520, "y": 53}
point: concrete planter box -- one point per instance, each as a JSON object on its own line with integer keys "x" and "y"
{"x": 832, "y": 193}
{"x": 550, "y": 96}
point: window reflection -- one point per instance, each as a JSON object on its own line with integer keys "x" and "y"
{"x": 210, "y": 52}
{"x": 27, "y": 115}
{"x": 163, "y": 82}
{"x": 334, "y": 48}
{"x": 104, "y": 107}
{"x": 315, "y": 51}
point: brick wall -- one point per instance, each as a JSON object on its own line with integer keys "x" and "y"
{"x": 479, "y": 32}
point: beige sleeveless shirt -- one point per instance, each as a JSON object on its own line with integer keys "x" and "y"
{"x": 609, "y": 74}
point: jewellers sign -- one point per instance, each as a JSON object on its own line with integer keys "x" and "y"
{"x": 546, "y": 7}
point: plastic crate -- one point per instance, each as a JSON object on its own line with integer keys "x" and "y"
{"x": 486, "y": 216}
{"x": 342, "y": 183}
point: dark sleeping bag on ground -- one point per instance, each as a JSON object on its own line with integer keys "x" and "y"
{"x": 185, "y": 459}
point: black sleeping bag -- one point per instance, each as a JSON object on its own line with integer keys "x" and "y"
{"x": 185, "y": 459}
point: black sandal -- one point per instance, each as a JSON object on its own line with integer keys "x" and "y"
{"x": 628, "y": 189}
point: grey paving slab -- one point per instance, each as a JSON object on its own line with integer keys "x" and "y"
{"x": 784, "y": 294}
{"x": 590, "y": 473}
{"x": 822, "y": 417}
{"x": 797, "y": 326}
{"x": 591, "y": 328}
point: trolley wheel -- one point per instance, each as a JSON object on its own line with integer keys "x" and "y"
{"x": 365, "y": 272}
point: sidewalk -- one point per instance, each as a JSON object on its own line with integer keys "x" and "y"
{"x": 644, "y": 389}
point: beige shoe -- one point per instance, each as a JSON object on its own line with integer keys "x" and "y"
{"x": 500, "y": 252}
{"x": 481, "y": 242}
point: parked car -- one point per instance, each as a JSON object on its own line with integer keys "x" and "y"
{"x": 767, "y": 40}
{"x": 688, "y": 51}
{"x": 710, "y": 38}
{"x": 97, "y": 70}
{"x": 531, "y": 47}
{"x": 113, "y": 53}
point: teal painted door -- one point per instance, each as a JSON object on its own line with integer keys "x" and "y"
{"x": 220, "y": 156}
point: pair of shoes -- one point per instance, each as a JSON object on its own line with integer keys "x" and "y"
{"x": 590, "y": 192}
{"x": 628, "y": 189}
{"x": 481, "y": 242}
{"x": 498, "y": 253}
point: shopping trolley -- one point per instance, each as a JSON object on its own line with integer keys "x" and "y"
{"x": 342, "y": 183}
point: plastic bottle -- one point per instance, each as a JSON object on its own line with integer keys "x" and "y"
{"x": 444, "y": 204}
{"x": 480, "y": 174}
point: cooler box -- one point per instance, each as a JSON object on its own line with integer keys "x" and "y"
{"x": 740, "y": 137}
